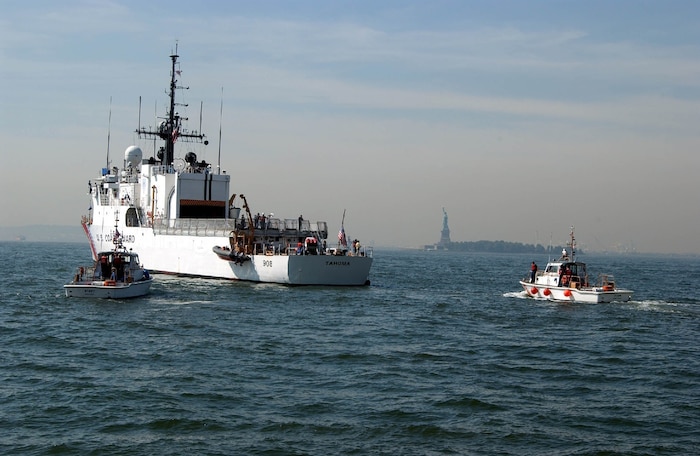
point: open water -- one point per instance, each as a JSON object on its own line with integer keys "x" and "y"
{"x": 440, "y": 355}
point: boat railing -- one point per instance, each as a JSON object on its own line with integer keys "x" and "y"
{"x": 606, "y": 281}
{"x": 87, "y": 274}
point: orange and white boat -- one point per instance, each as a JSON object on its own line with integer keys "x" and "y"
{"x": 566, "y": 280}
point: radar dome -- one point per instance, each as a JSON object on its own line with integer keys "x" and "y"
{"x": 133, "y": 156}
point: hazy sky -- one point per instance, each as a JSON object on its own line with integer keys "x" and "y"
{"x": 520, "y": 118}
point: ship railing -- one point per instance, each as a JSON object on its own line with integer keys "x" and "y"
{"x": 223, "y": 227}
{"x": 195, "y": 227}
{"x": 321, "y": 228}
{"x": 270, "y": 249}
{"x": 162, "y": 169}
{"x": 364, "y": 251}
{"x": 279, "y": 227}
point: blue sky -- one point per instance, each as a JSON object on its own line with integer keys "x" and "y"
{"x": 519, "y": 118}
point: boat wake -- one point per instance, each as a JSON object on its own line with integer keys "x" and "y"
{"x": 515, "y": 294}
{"x": 686, "y": 308}
{"x": 522, "y": 295}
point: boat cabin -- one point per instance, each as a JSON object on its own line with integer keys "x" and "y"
{"x": 563, "y": 274}
{"x": 124, "y": 266}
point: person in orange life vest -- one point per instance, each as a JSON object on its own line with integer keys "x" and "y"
{"x": 533, "y": 272}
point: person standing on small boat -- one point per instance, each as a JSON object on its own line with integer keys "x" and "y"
{"x": 533, "y": 272}
{"x": 119, "y": 265}
{"x": 105, "y": 267}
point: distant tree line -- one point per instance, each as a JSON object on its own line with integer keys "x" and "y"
{"x": 501, "y": 247}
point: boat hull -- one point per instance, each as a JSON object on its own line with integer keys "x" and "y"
{"x": 107, "y": 290}
{"x": 192, "y": 255}
{"x": 595, "y": 295}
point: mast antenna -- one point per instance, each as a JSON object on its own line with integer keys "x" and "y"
{"x": 139, "y": 112}
{"x": 221, "y": 115}
{"x": 109, "y": 129}
{"x": 170, "y": 129}
{"x": 201, "y": 106}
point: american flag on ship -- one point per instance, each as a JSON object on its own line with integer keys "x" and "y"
{"x": 341, "y": 237}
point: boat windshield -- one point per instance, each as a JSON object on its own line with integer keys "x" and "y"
{"x": 577, "y": 269}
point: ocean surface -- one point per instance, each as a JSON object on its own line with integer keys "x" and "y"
{"x": 441, "y": 355}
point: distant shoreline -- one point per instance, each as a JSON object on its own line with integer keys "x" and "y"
{"x": 43, "y": 233}
{"x": 75, "y": 234}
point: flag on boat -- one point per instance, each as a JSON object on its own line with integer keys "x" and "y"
{"x": 341, "y": 237}
{"x": 176, "y": 133}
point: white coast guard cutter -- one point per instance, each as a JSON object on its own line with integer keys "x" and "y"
{"x": 181, "y": 218}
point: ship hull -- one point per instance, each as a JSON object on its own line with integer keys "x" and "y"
{"x": 593, "y": 295}
{"x": 192, "y": 255}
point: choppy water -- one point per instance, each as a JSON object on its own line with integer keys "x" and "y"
{"x": 440, "y": 355}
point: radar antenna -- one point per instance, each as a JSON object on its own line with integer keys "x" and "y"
{"x": 171, "y": 129}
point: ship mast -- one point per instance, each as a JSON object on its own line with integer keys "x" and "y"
{"x": 170, "y": 130}
{"x": 572, "y": 245}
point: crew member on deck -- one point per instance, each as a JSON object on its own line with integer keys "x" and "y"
{"x": 533, "y": 272}
{"x": 356, "y": 246}
{"x": 104, "y": 267}
{"x": 565, "y": 277}
{"x": 119, "y": 266}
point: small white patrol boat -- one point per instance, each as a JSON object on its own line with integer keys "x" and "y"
{"x": 566, "y": 280}
{"x": 115, "y": 274}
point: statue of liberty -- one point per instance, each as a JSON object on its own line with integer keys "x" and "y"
{"x": 445, "y": 235}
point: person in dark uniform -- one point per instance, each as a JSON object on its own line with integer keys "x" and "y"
{"x": 105, "y": 267}
{"x": 119, "y": 265}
